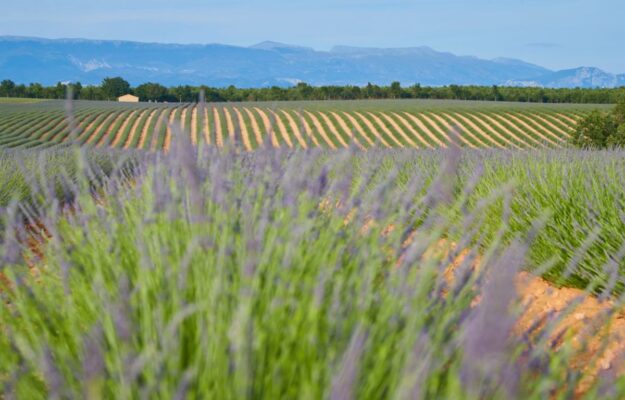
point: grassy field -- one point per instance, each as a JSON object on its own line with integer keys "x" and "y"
{"x": 13, "y": 100}
{"x": 332, "y": 124}
{"x": 205, "y": 273}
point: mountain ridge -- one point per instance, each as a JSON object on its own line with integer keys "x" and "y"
{"x": 268, "y": 63}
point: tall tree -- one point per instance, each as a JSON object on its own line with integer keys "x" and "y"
{"x": 112, "y": 88}
{"x": 6, "y": 88}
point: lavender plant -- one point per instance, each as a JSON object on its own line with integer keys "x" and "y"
{"x": 215, "y": 273}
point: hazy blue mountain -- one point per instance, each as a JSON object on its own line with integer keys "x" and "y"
{"x": 47, "y": 61}
{"x": 583, "y": 77}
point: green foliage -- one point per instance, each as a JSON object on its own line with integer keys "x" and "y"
{"x": 601, "y": 130}
{"x": 276, "y": 275}
{"x": 112, "y": 88}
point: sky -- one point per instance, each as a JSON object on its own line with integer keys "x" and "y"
{"x": 556, "y": 34}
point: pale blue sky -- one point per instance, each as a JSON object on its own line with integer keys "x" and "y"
{"x": 554, "y": 33}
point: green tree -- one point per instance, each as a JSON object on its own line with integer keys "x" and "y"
{"x": 6, "y": 88}
{"x": 395, "y": 90}
{"x": 151, "y": 92}
{"x": 594, "y": 131}
{"x": 112, "y": 88}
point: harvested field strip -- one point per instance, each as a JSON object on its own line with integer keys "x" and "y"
{"x": 504, "y": 123}
{"x": 438, "y": 120}
{"x": 369, "y": 127}
{"x": 165, "y": 143}
{"x": 307, "y": 128}
{"x": 268, "y": 127}
{"x": 318, "y": 127}
{"x": 345, "y": 127}
{"x": 147, "y": 125}
{"x": 115, "y": 129}
{"x": 332, "y": 129}
{"x": 207, "y": 125}
{"x": 100, "y": 129}
{"x": 511, "y": 129}
{"x": 424, "y": 124}
{"x": 567, "y": 118}
{"x": 194, "y": 126}
{"x": 527, "y": 126}
{"x": 24, "y": 123}
{"x": 281, "y": 128}
{"x": 407, "y": 126}
{"x": 387, "y": 126}
{"x": 376, "y": 123}
{"x": 93, "y": 126}
{"x": 129, "y": 128}
{"x": 537, "y": 126}
{"x": 553, "y": 123}
{"x": 402, "y": 131}
{"x": 482, "y": 138}
{"x": 297, "y": 131}
{"x": 231, "y": 130}
{"x": 158, "y": 128}
{"x": 60, "y": 133}
{"x": 243, "y": 129}
{"x": 255, "y": 127}
{"x": 435, "y": 125}
{"x": 359, "y": 129}
{"x": 334, "y": 137}
{"x": 505, "y": 137}
{"x": 26, "y": 130}
{"x": 219, "y": 139}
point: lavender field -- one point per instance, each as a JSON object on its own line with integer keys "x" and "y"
{"x": 213, "y": 272}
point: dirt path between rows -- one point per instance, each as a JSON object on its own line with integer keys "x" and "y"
{"x": 145, "y": 130}
{"x": 282, "y": 129}
{"x": 532, "y": 129}
{"x": 348, "y": 131}
{"x": 550, "y": 124}
{"x": 320, "y": 130}
{"x": 426, "y": 129}
{"x": 361, "y": 131}
{"x": 379, "y": 138}
{"x": 194, "y": 125}
{"x": 333, "y": 130}
{"x": 307, "y": 129}
{"x": 384, "y": 128}
{"x": 295, "y": 128}
{"x": 268, "y": 127}
{"x": 401, "y": 132}
{"x": 255, "y": 128}
{"x": 219, "y": 138}
{"x": 492, "y": 132}
{"x": 517, "y": 135}
{"x": 100, "y": 128}
{"x": 243, "y": 128}
{"x": 168, "y": 131}
{"x": 122, "y": 129}
{"x": 465, "y": 131}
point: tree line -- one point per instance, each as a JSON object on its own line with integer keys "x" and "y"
{"x": 111, "y": 88}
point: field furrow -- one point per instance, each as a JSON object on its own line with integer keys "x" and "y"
{"x": 295, "y": 129}
{"x": 332, "y": 128}
{"x": 144, "y": 132}
{"x": 402, "y": 132}
{"x": 230, "y": 127}
{"x": 281, "y": 128}
{"x": 428, "y": 130}
{"x": 319, "y": 129}
{"x": 194, "y": 125}
{"x": 438, "y": 119}
{"x": 502, "y": 141}
{"x": 359, "y": 129}
{"x": 243, "y": 128}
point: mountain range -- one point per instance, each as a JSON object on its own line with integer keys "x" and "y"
{"x": 48, "y": 61}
